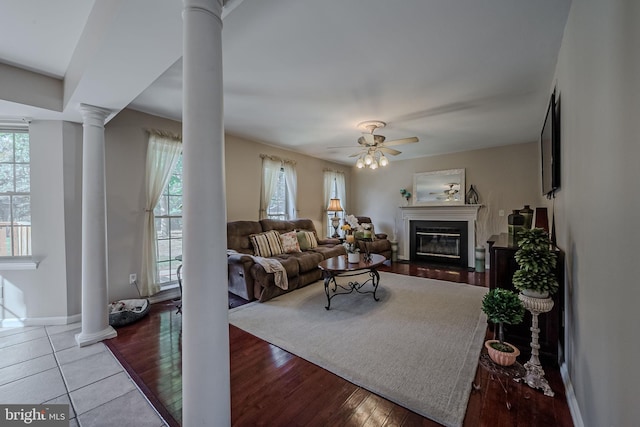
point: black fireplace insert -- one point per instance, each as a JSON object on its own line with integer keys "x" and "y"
{"x": 441, "y": 242}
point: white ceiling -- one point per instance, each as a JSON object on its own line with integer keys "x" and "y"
{"x": 301, "y": 74}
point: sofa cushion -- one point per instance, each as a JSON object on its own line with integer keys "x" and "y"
{"x": 290, "y": 242}
{"x": 328, "y": 251}
{"x": 238, "y": 233}
{"x": 277, "y": 224}
{"x": 307, "y": 240}
{"x": 266, "y": 244}
{"x": 308, "y": 260}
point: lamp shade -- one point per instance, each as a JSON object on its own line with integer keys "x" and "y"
{"x": 334, "y": 206}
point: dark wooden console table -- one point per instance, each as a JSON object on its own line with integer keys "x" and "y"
{"x": 502, "y": 267}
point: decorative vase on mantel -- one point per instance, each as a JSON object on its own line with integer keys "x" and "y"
{"x": 472, "y": 196}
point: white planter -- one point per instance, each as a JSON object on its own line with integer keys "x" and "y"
{"x": 535, "y": 294}
{"x": 353, "y": 258}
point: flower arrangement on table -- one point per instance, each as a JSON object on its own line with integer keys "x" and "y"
{"x": 348, "y": 235}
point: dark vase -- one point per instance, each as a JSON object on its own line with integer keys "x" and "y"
{"x": 516, "y": 224}
{"x": 542, "y": 220}
{"x": 527, "y": 213}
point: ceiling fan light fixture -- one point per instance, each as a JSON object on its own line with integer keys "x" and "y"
{"x": 374, "y": 165}
{"x": 359, "y": 163}
{"x": 383, "y": 161}
{"x": 368, "y": 159}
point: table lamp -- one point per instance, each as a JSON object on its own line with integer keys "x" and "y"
{"x": 334, "y": 206}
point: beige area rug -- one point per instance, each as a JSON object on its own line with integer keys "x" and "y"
{"x": 418, "y": 346}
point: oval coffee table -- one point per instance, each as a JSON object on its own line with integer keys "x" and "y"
{"x": 339, "y": 267}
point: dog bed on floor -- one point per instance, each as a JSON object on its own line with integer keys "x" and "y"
{"x": 127, "y": 311}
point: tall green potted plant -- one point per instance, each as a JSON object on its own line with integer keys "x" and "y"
{"x": 536, "y": 277}
{"x": 502, "y": 306}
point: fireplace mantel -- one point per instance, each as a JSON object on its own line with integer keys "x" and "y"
{"x": 468, "y": 213}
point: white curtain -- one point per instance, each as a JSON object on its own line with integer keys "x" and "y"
{"x": 334, "y": 181}
{"x": 163, "y": 152}
{"x": 270, "y": 171}
{"x": 292, "y": 188}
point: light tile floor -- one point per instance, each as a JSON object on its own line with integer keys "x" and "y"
{"x": 43, "y": 364}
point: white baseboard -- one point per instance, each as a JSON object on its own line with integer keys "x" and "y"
{"x": 40, "y": 321}
{"x": 571, "y": 397}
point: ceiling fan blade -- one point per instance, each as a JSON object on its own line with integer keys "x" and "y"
{"x": 357, "y": 154}
{"x": 389, "y": 151}
{"x": 402, "y": 141}
{"x": 350, "y": 147}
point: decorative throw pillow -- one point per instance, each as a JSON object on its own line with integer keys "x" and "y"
{"x": 307, "y": 240}
{"x": 266, "y": 244}
{"x": 290, "y": 242}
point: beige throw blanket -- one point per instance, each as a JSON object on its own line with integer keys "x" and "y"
{"x": 270, "y": 266}
{"x": 274, "y": 266}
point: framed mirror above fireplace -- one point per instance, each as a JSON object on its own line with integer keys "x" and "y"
{"x": 444, "y": 187}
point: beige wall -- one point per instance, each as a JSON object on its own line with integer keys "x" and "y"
{"x": 51, "y": 293}
{"x": 506, "y": 178}
{"x": 598, "y": 80}
{"x": 126, "y": 148}
{"x": 125, "y": 158}
{"x": 243, "y": 170}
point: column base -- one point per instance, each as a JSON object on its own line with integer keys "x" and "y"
{"x": 535, "y": 378}
{"x": 84, "y": 339}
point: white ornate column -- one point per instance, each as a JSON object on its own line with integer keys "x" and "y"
{"x": 206, "y": 396}
{"x": 95, "y": 316}
{"x": 535, "y": 374}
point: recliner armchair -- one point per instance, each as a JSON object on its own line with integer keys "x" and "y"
{"x": 379, "y": 243}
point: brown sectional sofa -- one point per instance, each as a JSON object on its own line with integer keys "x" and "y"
{"x": 250, "y": 281}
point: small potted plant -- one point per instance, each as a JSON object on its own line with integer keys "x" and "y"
{"x": 535, "y": 278}
{"x": 502, "y": 306}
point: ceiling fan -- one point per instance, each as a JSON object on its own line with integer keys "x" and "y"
{"x": 373, "y": 147}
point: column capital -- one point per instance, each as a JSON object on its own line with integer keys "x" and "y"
{"x": 213, "y": 7}
{"x": 93, "y": 115}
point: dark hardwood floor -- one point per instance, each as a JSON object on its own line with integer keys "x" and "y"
{"x": 270, "y": 387}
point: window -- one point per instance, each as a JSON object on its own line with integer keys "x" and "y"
{"x": 168, "y": 218}
{"x": 278, "y": 192}
{"x": 278, "y": 206}
{"x": 15, "y": 193}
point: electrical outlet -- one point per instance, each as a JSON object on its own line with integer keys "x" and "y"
{"x": 132, "y": 278}
{"x": 501, "y": 212}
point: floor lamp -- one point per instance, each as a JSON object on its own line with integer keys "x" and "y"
{"x": 334, "y": 206}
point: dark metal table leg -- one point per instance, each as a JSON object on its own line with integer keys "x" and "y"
{"x": 375, "y": 279}
{"x": 327, "y": 281}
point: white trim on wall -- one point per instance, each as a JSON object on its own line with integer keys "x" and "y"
{"x": 571, "y": 396}
{"x": 40, "y": 321}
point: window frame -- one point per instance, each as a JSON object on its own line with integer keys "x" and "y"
{"x": 282, "y": 191}
{"x": 169, "y": 217}
{"x": 19, "y": 260}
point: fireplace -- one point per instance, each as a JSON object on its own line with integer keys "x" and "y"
{"x": 465, "y": 215}
{"x": 442, "y": 242}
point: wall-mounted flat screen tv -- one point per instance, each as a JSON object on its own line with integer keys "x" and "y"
{"x": 550, "y": 148}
